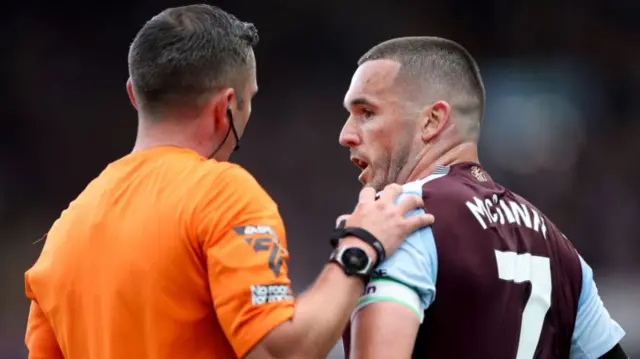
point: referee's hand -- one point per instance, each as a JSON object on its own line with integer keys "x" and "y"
{"x": 385, "y": 219}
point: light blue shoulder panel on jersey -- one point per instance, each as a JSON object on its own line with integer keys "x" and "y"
{"x": 408, "y": 276}
{"x": 595, "y": 332}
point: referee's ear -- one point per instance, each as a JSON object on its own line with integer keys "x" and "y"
{"x": 132, "y": 96}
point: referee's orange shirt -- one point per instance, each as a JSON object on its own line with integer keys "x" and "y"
{"x": 164, "y": 255}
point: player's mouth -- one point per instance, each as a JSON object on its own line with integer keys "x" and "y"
{"x": 364, "y": 166}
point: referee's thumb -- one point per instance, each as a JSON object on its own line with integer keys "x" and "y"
{"x": 343, "y": 217}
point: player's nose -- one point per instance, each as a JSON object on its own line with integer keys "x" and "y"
{"x": 349, "y": 136}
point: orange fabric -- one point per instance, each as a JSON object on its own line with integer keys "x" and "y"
{"x": 164, "y": 255}
{"x": 40, "y": 337}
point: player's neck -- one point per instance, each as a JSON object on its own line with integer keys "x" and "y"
{"x": 444, "y": 156}
{"x": 166, "y": 134}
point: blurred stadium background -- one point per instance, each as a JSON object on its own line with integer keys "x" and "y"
{"x": 561, "y": 128}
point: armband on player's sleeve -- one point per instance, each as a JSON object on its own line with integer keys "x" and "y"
{"x": 387, "y": 290}
{"x": 408, "y": 276}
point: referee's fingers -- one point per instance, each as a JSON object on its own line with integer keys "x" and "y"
{"x": 409, "y": 203}
{"x": 367, "y": 194}
{"x": 341, "y": 218}
{"x": 391, "y": 193}
{"x": 422, "y": 220}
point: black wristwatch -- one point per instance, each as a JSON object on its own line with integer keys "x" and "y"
{"x": 354, "y": 261}
{"x": 341, "y": 231}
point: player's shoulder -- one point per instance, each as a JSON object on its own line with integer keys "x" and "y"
{"x": 447, "y": 189}
{"x": 417, "y": 187}
{"x": 439, "y": 178}
{"x": 443, "y": 183}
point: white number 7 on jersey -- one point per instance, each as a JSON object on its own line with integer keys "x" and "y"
{"x": 536, "y": 270}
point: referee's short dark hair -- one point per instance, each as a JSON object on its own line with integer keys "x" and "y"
{"x": 185, "y": 54}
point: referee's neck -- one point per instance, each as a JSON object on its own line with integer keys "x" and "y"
{"x": 178, "y": 133}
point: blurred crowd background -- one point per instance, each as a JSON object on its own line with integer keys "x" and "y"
{"x": 561, "y": 127}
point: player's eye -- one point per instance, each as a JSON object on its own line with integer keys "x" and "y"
{"x": 367, "y": 114}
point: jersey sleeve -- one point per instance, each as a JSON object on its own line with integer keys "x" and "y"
{"x": 39, "y": 338}
{"x": 408, "y": 277}
{"x": 595, "y": 332}
{"x": 244, "y": 242}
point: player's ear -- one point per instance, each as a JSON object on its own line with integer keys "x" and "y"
{"x": 435, "y": 118}
{"x": 132, "y": 96}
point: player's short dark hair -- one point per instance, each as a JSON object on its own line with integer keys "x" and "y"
{"x": 439, "y": 63}
{"x": 185, "y": 53}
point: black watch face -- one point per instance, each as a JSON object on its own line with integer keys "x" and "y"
{"x": 355, "y": 259}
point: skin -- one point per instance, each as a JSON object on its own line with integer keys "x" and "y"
{"x": 401, "y": 139}
{"x": 322, "y": 311}
{"x": 201, "y": 130}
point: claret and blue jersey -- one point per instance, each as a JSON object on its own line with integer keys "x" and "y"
{"x": 494, "y": 274}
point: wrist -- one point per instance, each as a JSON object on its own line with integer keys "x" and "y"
{"x": 354, "y": 260}
{"x": 351, "y": 278}
{"x": 357, "y": 237}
